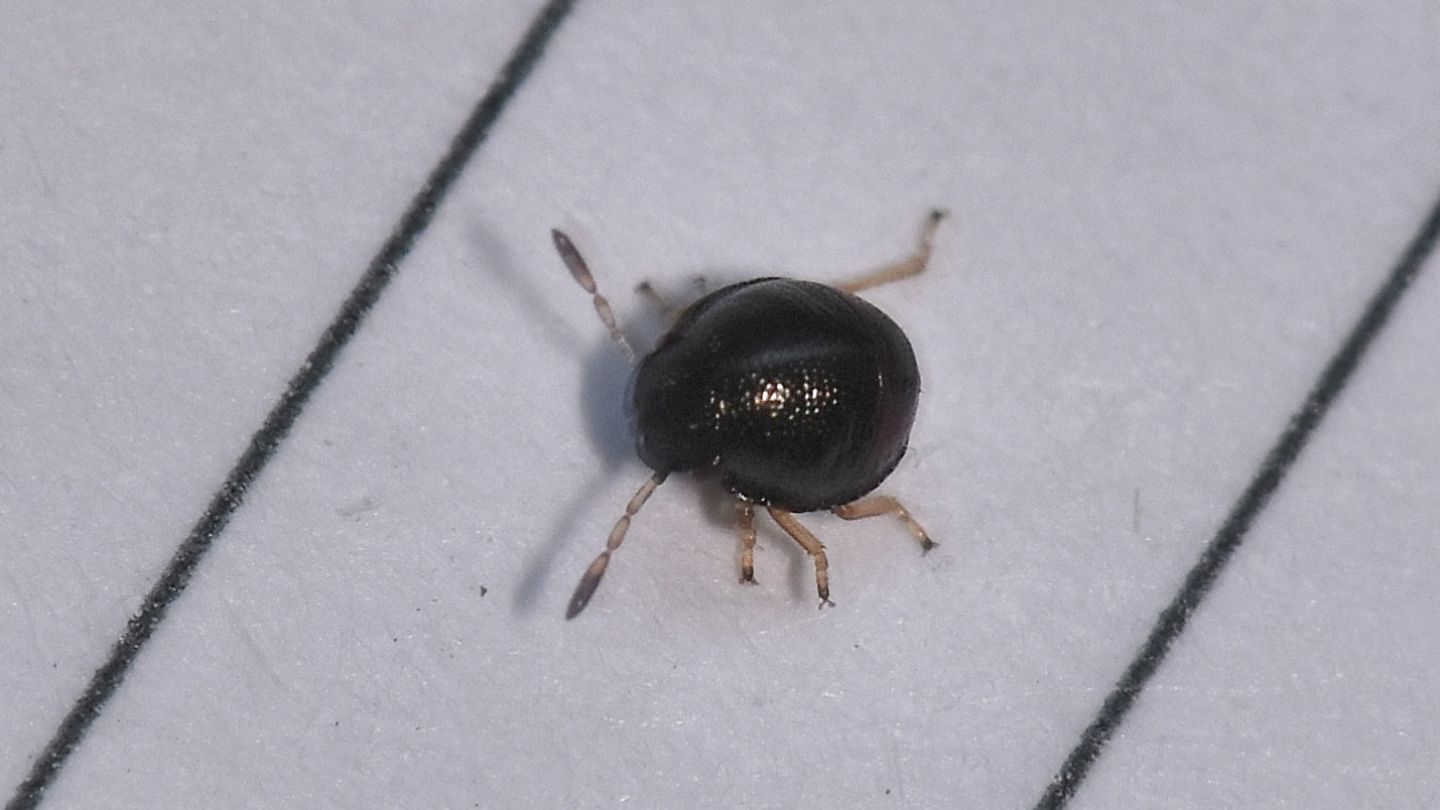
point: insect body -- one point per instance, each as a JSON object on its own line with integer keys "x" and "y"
{"x": 799, "y": 395}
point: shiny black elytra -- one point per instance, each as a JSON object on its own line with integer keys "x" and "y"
{"x": 799, "y": 395}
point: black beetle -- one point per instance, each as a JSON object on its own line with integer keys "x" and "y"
{"x": 799, "y": 395}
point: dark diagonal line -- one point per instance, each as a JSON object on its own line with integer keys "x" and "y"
{"x": 277, "y": 423}
{"x": 1202, "y": 576}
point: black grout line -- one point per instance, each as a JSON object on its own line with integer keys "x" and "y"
{"x": 1172, "y": 620}
{"x": 278, "y": 422}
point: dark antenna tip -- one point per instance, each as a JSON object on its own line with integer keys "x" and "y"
{"x": 588, "y": 583}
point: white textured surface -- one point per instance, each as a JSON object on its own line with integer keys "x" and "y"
{"x": 1310, "y": 680}
{"x": 1163, "y": 225}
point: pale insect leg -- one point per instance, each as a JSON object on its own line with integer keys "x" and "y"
{"x": 745, "y": 515}
{"x": 662, "y": 304}
{"x": 912, "y": 265}
{"x": 669, "y": 307}
{"x": 884, "y": 505}
{"x": 812, "y": 546}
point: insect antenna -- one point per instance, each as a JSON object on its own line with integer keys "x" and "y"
{"x": 591, "y": 579}
{"x": 581, "y": 273}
